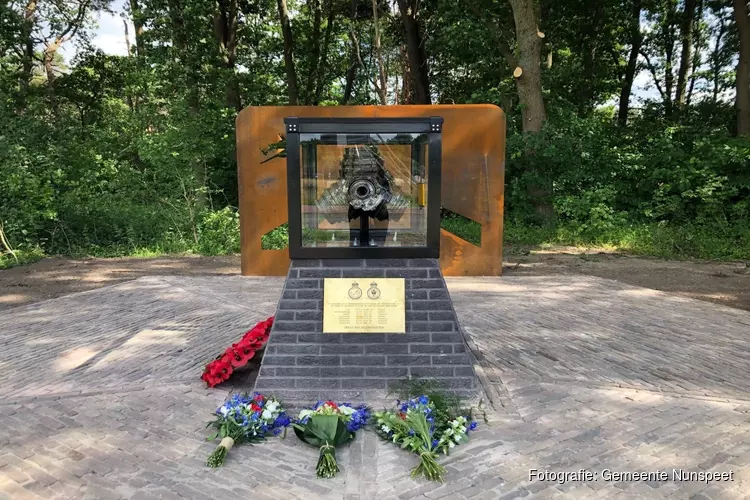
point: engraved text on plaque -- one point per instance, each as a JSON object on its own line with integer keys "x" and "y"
{"x": 364, "y": 305}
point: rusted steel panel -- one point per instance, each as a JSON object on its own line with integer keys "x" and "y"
{"x": 472, "y": 180}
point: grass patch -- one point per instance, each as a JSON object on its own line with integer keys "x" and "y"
{"x": 22, "y": 257}
{"x": 668, "y": 241}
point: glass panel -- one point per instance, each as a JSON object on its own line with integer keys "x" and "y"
{"x": 364, "y": 190}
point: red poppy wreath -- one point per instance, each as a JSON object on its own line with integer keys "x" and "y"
{"x": 220, "y": 369}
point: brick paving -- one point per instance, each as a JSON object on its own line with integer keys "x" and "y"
{"x": 100, "y": 397}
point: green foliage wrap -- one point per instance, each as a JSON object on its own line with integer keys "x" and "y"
{"x": 325, "y": 432}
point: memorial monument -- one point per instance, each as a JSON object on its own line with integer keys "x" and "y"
{"x": 364, "y": 303}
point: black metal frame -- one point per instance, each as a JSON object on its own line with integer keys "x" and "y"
{"x": 432, "y": 126}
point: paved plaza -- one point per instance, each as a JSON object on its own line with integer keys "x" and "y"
{"x": 100, "y": 395}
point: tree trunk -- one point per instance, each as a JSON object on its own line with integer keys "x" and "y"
{"x": 291, "y": 71}
{"x": 686, "y": 36}
{"x": 351, "y": 73}
{"x": 48, "y": 58}
{"x": 234, "y": 100}
{"x": 743, "y": 68}
{"x": 27, "y": 58}
{"x": 137, "y": 14}
{"x": 128, "y": 98}
{"x": 696, "y": 64}
{"x": 225, "y": 33}
{"x": 181, "y": 47}
{"x": 382, "y": 88}
{"x": 668, "y": 34}
{"x": 636, "y": 39}
{"x": 418, "y": 69}
{"x": 716, "y": 60}
{"x": 320, "y": 79}
{"x": 586, "y": 93}
{"x": 127, "y": 36}
{"x": 314, "y": 64}
{"x": 529, "y": 83}
{"x": 405, "y": 77}
{"x": 354, "y": 57}
{"x": 529, "y": 87}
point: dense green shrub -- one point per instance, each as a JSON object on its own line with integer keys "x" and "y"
{"x": 106, "y": 181}
{"x": 219, "y": 232}
{"x": 653, "y": 188}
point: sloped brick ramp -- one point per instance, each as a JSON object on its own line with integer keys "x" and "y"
{"x": 100, "y": 396}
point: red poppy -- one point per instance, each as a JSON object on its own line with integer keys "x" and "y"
{"x": 247, "y": 353}
{"x": 238, "y": 360}
{"x": 250, "y": 341}
{"x": 254, "y": 342}
{"x": 402, "y": 415}
{"x": 226, "y": 359}
{"x": 254, "y": 407}
{"x": 258, "y": 398}
{"x": 214, "y": 374}
{"x": 254, "y": 335}
{"x": 332, "y": 405}
{"x": 222, "y": 368}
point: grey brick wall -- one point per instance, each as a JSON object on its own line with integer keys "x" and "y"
{"x": 302, "y": 364}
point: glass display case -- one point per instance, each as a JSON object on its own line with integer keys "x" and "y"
{"x": 363, "y": 188}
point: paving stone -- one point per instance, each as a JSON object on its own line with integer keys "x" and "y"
{"x": 592, "y": 374}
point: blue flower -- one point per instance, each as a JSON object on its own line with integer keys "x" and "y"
{"x": 411, "y": 432}
{"x": 473, "y": 425}
{"x": 423, "y": 400}
{"x": 435, "y": 443}
{"x": 282, "y": 420}
{"x": 276, "y": 432}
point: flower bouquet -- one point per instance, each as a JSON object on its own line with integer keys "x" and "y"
{"x": 245, "y": 419}
{"x": 220, "y": 369}
{"x": 327, "y": 425}
{"x": 422, "y": 429}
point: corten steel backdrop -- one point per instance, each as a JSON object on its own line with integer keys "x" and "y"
{"x": 473, "y": 171}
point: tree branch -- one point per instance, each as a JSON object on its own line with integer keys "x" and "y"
{"x": 75, "y": 24}
{"x": 355, "y": 42}
{"x": 652, "y": 69}
{"x": 499, "y": 34}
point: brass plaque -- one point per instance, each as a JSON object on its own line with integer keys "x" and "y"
{"x": 364, "y": 305}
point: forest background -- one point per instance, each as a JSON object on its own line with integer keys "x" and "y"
{"x": 134, "y": 154}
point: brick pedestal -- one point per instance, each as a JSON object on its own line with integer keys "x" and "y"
{"x": 302, "y": 364}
